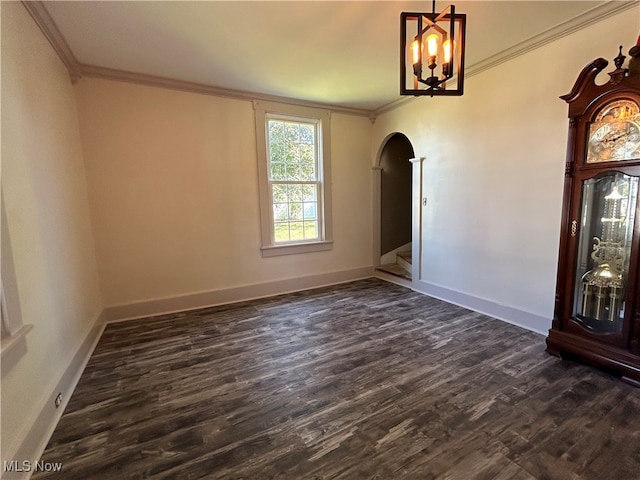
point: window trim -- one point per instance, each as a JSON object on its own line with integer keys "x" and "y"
{"x": 322, "y": 118}
{"x": 12, "y": 330}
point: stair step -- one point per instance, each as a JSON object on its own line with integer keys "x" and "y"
{"x": 395, "y": 269}
{"x": 404, "y": 260}
{"x": 405, "y": 256}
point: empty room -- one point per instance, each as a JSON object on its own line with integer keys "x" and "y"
{"x": 320, "y": 240}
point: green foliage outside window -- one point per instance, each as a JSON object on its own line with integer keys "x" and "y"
{"x": 294, "y": 180}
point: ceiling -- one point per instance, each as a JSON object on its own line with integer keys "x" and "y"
{"x": 342, "y": 53}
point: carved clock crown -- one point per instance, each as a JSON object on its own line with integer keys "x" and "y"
{"x": 585, "y": 88}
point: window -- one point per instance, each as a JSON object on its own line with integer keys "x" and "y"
{"x": 293, "y": 159}
{"x": 12, "y": 330}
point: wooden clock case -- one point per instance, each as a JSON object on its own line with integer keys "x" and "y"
{"x": 592, "y": 322}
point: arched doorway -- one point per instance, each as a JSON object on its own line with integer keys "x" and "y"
{"x": 394, "y": 252}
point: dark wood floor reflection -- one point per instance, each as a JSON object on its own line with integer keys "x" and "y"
{"x": 365, "y": 380}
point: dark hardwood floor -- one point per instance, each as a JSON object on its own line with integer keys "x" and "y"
{"x": 365, "y": 380}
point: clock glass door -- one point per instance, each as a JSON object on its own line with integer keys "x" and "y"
{"x": 604, "y": 245}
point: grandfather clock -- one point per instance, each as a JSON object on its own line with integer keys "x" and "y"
{"x": 597, "y": 307}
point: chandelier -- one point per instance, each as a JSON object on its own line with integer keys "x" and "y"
{"x": 432, "y": 52}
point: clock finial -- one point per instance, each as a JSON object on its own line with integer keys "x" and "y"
{"x": 618, "y": 74}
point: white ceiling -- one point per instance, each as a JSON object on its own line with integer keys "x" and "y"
{"x": 335, "y": 52}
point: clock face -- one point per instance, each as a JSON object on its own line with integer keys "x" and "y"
{"x": 613, "y": 141}
{"x": 614, "y": 135}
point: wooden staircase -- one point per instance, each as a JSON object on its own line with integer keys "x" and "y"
{"x": 402, "y": 266}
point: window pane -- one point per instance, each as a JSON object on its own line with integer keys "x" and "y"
{"x": 292, "y": 151}
{"x": 307, "y": 171}
{"x": 292, "y": 133}
{"x": 296, "y": 231}
{"x": 307, "y": 134}
{"x": 309, "y": 211}
{"x": 279, "y": 193}
{"x": 295, "y": 193}
{"x": 277, "y": 171}
{"x": 293, "y": 172}
{"x": 276, "y": 151}
{"x": 295, "y": 212}
{"x": 280, "y": 212}
{"x": 309, "y": 193}
{"x": 281, "y": 231}
{"x": 307, "y": 153}
{"x": 310, "y": 230}
{"x": 276, "y": 131}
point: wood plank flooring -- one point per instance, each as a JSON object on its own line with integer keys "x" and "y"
{"x": 365, "y": 380}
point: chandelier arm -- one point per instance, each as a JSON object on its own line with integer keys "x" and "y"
{"x": 430, "y": 25}
{"x": 444, "y": 13}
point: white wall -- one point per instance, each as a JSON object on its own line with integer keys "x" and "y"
{"x": 494, "y": 174}
{"x": 173, "y": 191}
{"x": 45, "y": 194}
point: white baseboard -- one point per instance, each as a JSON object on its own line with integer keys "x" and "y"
{"x": 41, "y": 426}
{"x": 530, "y": 321}
{"x": 230, "y": 295}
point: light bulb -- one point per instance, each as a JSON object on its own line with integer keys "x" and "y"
{"x": 415, "y": 51}
{"x": 432, "y": 49}
{"x": 448, "y": 50}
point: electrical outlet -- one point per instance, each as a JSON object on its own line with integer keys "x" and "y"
{"x": 58, "y": 400}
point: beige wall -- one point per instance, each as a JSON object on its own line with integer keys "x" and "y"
{"x": 494, "y": 174}
{"x": 45, "y": 194}
{"x": 173, "y": 190}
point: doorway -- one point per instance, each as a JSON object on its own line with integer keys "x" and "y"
{"x": 395, "y": 170}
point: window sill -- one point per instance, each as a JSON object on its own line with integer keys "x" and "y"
{"x": 277, "y": 250}
{"x": 11, "y": 341}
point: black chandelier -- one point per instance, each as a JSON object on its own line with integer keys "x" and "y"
{"x": 435, "y": 52}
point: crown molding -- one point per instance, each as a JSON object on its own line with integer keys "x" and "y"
{"x": 41, "y": 16}
{"x": 204, "y": 89}
{"x": 563, "y": 29}
{"x": 590, "y": 17}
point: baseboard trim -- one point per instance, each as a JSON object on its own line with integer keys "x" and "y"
{"x": 210, "y": 298}
{"x": 530, "y": 321}
{"x": 42, "y": 425}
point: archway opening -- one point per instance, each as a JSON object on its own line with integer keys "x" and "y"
{"x": 395, "y": 206}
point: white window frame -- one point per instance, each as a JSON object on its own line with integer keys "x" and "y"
{"x": 12, "y": 330}
{"x": 265, "y": 111}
